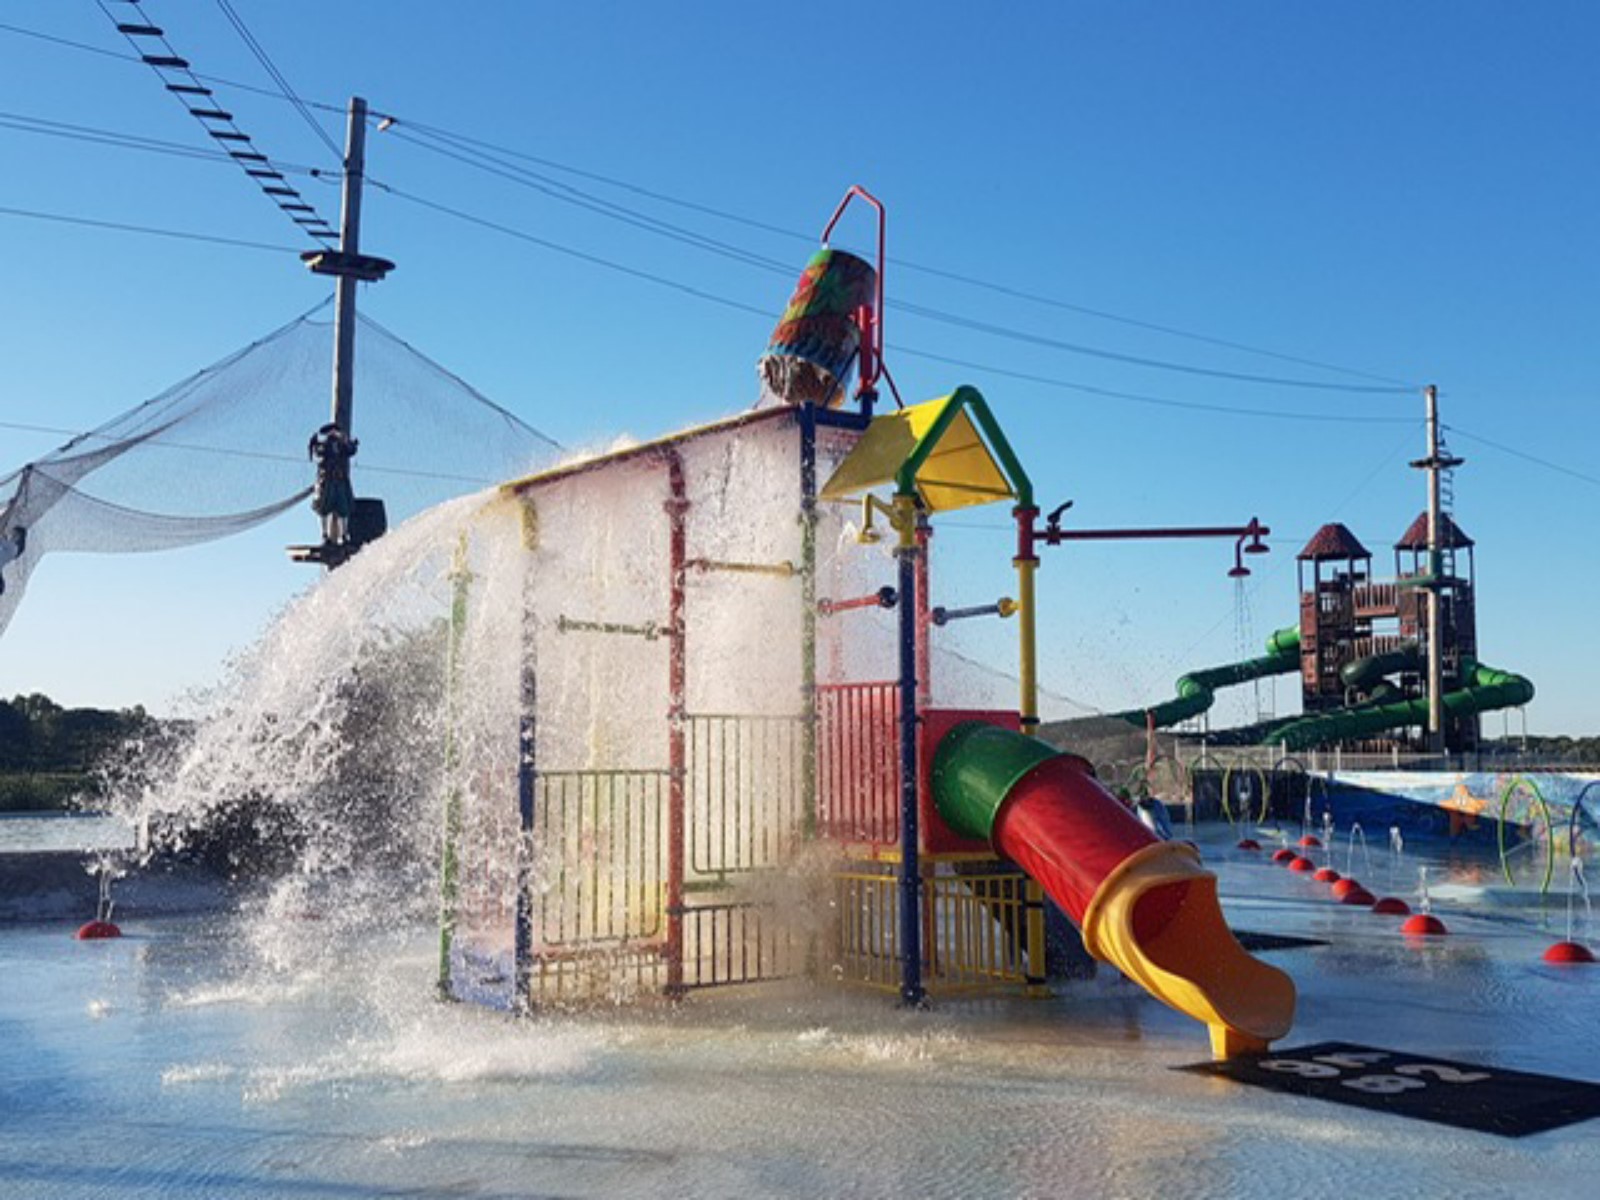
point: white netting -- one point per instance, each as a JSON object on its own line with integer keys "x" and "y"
{"x": 225, "y": 450}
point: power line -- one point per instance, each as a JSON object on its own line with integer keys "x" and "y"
{"x": 567, "y": 194}
{"x": 1399, "y": 385}
{"x": 676, "y": 285}
{"x": 581, "y": 255}
{"x": 1139, "y": 360}
{"x": 86, "y": 48}
{"x": 123, "y": 227}
{"x": 1524, "y": 455}
{"x": 284, "y": 87}
{"x": 22, "y": 123}
{"x": 463, "y": 140}
{"x": 1158, "y": 401}
{"x": 199, "y": 101}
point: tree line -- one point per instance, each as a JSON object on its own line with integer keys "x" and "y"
{"x": 48, "y": 753}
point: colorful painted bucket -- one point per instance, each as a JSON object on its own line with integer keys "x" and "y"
{"x": 818, "y": 337}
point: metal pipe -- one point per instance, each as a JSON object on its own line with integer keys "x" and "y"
{"x": 449, "y": 860}
{"x": 911, "y": 989}
{"x": 808, "y": 618}
{"x": 884, "y": 597}
{"x": 527, "y": 776}
{"x": 871, "y": 361}
{"x": 1052, "y": 537}
{"x": 677, "y": 507}
{"x": 649, "y": 631}
{"x": 1004, "y": 607}
{"x": 1027, "y": 564}
{"x": 782, "y": 570}
{"x": 924, "y": 613}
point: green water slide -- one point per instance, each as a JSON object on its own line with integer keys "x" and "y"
{"x": 1367, "y": 673}
{"x": 1198, "y": 689}
{"x": 1489, "y": 689}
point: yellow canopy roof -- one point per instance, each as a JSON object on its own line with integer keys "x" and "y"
{"x": 958, "y": 472}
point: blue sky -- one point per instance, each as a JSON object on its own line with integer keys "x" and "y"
{"x": 1402, "y": 190}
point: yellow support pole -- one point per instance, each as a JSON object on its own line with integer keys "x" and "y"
{"x": 1028, "y": 643}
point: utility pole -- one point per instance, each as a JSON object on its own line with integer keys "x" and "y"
{"x": 344, "y": 294}
{"x": 1435, "y": 464}
{"x": 1435, "y": 561}
{"x": 349, "y": 267}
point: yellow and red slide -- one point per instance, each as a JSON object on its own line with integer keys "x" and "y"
{"x": 1145, "y": 906}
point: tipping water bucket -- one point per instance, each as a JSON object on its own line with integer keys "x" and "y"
{"x": 819, "y": 334}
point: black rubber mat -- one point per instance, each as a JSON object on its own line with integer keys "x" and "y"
{"x": 1258, "y": 943}
{"x": 1468, "y": 1096}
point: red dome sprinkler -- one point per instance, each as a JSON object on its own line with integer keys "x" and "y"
{"x": 1423, "y": 924}
{"x": 1344, "y": 887}
{"x": 1284, "y": 855}
{"x": 1569, "y": 954}
{"x": 1301, "y": 864}
{"x": 1248, "y": 844}
{"x": 1327, "y": 875}
{"x": 1392, "y": 906}
{"x": 1311, "y": 841}
{"x": 1358, "y": 896}
{"x": 101, "y": 927}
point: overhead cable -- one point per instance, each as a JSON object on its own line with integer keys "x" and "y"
{"x": 156, "y": 51}
{"x": 448, "y": 137}
{"x": 285, "y": 89}
{"x": 726, "y": 302}
{"x": 1524, "y": 455}
{"x": 124, "y": 227}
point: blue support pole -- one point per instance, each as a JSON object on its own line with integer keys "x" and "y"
{"x": 527, "y": 787}
{"x": 911, "y": 990}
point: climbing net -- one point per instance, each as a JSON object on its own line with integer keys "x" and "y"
{"x": 225, "y": 450}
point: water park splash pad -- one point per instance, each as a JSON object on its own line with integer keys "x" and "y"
{"x": 669, "y": 718}
{"x": 666, "y": 749}
{"x": 642, "y": 716}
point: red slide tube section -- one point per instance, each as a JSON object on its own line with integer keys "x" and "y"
{"x": 1145, "y": 905}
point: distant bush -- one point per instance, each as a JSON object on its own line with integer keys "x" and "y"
{"x": 48, "y": 753}
{"x": 42, "y": 791}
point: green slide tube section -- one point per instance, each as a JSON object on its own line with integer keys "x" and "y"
{"x": 1490, "y": 689}
{"x": 1364, "y": 672}
{"x": 1197, "y": 690}
{"x": 976, "y": 767}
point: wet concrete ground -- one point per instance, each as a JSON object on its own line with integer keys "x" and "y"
{"x": 221, "y": 1056}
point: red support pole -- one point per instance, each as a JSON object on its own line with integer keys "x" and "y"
{"x": 677, "y": 508}
{"x": 869, "y": 321}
